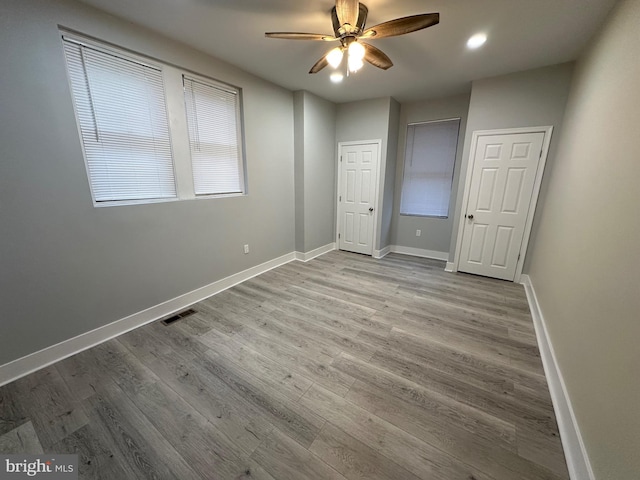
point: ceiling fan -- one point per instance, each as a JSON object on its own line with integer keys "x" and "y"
{"x": 349, "y": 18}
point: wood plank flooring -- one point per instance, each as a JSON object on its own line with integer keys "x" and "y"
{"x": 344, "y": 367}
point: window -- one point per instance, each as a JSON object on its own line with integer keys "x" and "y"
{"x": 430, "y": 156}
{"x": 213, "y": 114}
{"x": 122, "y": 116}
{"x": 133, "y": 153}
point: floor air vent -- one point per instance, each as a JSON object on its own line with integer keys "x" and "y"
{"x": 178, "y": 316}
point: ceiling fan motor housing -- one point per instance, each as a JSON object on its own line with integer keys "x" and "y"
{"x": 356, "y": 29}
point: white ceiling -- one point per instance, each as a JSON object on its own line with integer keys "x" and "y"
{"x": 435, "y": 62}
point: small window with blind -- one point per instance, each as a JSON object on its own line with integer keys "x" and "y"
{"x": 430, "y": 156}
{"x": 213, "y": 120}
{"x": 122, "y": 117}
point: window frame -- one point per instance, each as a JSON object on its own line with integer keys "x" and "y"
{"x": 172, "y": 78}
{"x": 453, "y": 169}
{"x": 242, "y": 164}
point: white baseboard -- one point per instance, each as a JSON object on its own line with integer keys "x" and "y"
{"x": 306, "y": 256}
{"x": 43, "y": 358}
{"x": 420, "y": 252}
{"x": 575, "y": 453}
{"x": 450, "y": 267}
{"x": 378, "y": 254}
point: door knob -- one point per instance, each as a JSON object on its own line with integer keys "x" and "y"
{"x": 470, "y": 217}
{"x": 371, "y": 209}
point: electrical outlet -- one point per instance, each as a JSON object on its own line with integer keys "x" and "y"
{"x": 246, "y": 249}
{"x": 418, "y": 233}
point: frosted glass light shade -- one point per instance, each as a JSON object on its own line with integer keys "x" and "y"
{"x": 355, "y": 64}
{"x": 477, "y": 41}
{"x": 356, "y": 51}
{"x": 336, "y": 77}
{"x": 334, "y": 57}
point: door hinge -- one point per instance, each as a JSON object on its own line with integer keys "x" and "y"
{"x": 340, "y": 198}
{"x": 340, "y": 157}
{"x": 540, "y": 154}
{"x": 519, "y": 256}
{"x": 338, "y": 236}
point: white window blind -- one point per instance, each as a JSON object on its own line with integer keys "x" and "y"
{"x": 213, "y": 118}
{"x": 430, "y": 156}
{"x": 122, "y": 115}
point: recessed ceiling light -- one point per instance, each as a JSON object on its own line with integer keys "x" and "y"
{"x": 336, "y": 77}
{"x": 477, "y": 40}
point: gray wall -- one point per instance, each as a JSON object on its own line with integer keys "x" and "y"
{"x": 68, "y": 267}
{"x": 298, "y": 119}
{"x": 315, "y": 122}
{"x": 370, "y": 120}
{"x": 436, "y": 232}
{"x": 390, "y": 175}
{"x": 584, "y": 262}
{"x": 525, "y": 99}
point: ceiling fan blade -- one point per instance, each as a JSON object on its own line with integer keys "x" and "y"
{"x": 347, "y": 11}
{"x": 403, "y": 25}
{"x": 320, "y": 64}
{"x": 300, "y": 36}
{"x": 376, "y": 57}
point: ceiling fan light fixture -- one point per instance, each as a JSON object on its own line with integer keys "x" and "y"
{"x": 476, "y": 41}
{"x": 356, "y": 51}
{"x": 355, "y": 64}
{"x": 336, "y": 77}
{"x": 348, "y": 19}
{"x": 334, "y": 57}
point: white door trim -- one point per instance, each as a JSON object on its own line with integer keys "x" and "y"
{"x": 376, "y": 212}
{"x": 548, "y": 130}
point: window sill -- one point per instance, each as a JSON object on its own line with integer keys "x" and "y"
{"x": 118, "y": 203}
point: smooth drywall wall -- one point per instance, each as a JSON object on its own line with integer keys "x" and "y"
{"x": 368, "y": 120}
{"x": 68, "y": 267}
{"x": 525, "y": 99}
{"x": 585, "y": 260}
{"x": 390, "y": 174}
{"x": 435, "y": 232}
{"x": 298, "y": 117}
{"x": 319, "y": 171}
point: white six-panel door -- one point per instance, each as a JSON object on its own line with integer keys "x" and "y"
{"x": 357, "y": 196}
{"x": 502, "y": 184}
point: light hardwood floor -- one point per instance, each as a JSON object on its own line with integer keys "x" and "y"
{"x": 343, "y": 367}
